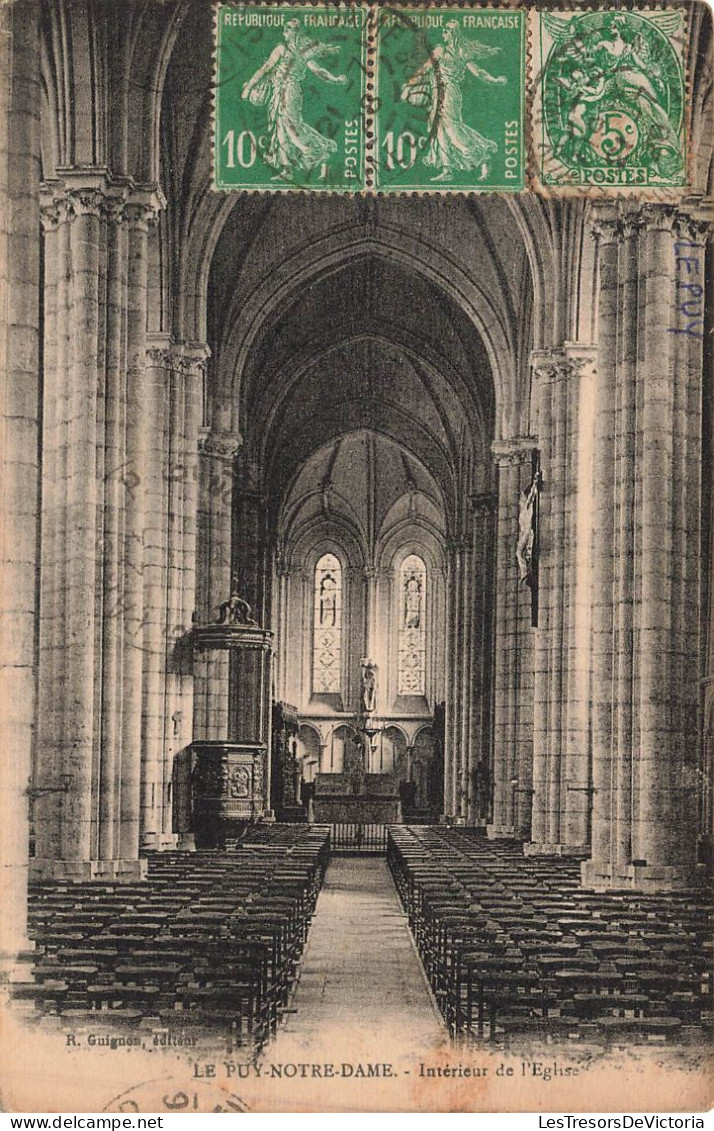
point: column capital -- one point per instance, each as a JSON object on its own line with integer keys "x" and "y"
{"x": 549, "y": 365}
{"x": 158, "y": 350}
{"x": 690, "y": 220}
{"x": 565, "y": 362}
{"x": 94, "y": 192}
{"x": 190, "y": 357}
{"x": 605, "y": 223}
{"x": 696, "y": 219}
{"x": 614, "y": 221}
{"x": 219, "y": 445}
{"x": 54, "y": 206}
{"x": 143, "y": 204}
{"x": 87, "y": 191}
{"x": 182, "y": 357}
{"x": 519, "y": 449}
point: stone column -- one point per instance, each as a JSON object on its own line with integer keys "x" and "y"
{"x": 218, "y": 451}
{"x": 174, "y": 381}
{"x": 143, "y": 462}
{"x": 282, "y": 576}
{"x": 249, "y": 538}
{"x": 469, "y": 664}
{"x": 513, "y": 679}
{"x": 454, "y": 630}
{"x": 646, "y": 547}
{"x": 99, "y": 450}
{"x": 20, "y": 396}
{"x": 372, "y": 633}
{"x": 561, "y": 771}
{"x": 464, "y": 684}
{"x": 249, "y": 555}
{"x": 153, "y": 802}
{"x": 188, "y": 364}
{"x": 483, "y": 560}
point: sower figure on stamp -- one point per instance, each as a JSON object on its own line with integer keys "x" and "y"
{"x": 291, "y": 143}
{"x": 455, "y": 146}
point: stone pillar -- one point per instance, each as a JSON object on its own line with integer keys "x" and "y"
{"x": 188, "y": 363}
{"x": 469, "y": 664}
{"x": 483, "y": 560}
{"x": 513, "y": 679}
{"x": 249, "y": 540}
{"x": 454, "y": 634}
{"x": 158, "y": 383}
{"x": 143, "y": 464}
{"x": 646, "y": 547}
{"x": 464, "y": 684}
{"x": 218, "y": 451}
{"x": 19, "y": 393}
{"x": 174, "y": 382}
{"x": 562, "y": 789}
{"x": 249, "y": 556}
{"x": 98, "y": 444}
{"x": 282, "y": 575}
{"x": 409, "y": 764}
{"x": 372, "y": 631}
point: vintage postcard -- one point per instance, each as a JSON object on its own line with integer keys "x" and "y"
{"x": 357, "y": 599}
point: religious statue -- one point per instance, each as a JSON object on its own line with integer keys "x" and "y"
{"x": 369, "y": 687}
{"x": 328, "y": 601}
{"x": 235, "y": 610}
{"x": 412, "y": 602}
{"x": 526, "y": 529}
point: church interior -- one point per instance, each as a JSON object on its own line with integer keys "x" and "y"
{"x": 351, "y": 543}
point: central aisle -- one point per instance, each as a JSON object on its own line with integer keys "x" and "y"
{"x": 362, "y": 990}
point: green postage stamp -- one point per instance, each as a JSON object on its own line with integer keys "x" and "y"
{"x": 609, "y": 98}
{"x": 290, "y": 88}
{"x": 345, "y": 97}
{"x": 450, "y": 97}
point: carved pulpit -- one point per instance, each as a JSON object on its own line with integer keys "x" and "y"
{"x": 231, "y": 776}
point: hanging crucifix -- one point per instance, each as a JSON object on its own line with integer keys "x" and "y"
{"x": 527, "y": 546}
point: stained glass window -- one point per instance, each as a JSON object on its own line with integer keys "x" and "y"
{"x": 411, "y": 679}
{"x": 327, "y": 626}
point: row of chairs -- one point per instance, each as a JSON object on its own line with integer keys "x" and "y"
{"x": 514, "y": 946}
{"x": 210, "y": 939}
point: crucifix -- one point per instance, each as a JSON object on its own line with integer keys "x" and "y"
{"x": 527, "y": 545}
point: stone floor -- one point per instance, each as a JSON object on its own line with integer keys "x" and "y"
{"x": 360, "y": 975}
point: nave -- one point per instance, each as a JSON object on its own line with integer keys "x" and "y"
{"x": 359, "y": 965}
{"x": 214, "y": 944}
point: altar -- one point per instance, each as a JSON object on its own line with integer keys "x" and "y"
{"x": 356, "y": 798}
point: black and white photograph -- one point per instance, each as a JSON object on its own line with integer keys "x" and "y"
{"x": 357, "y": 632}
